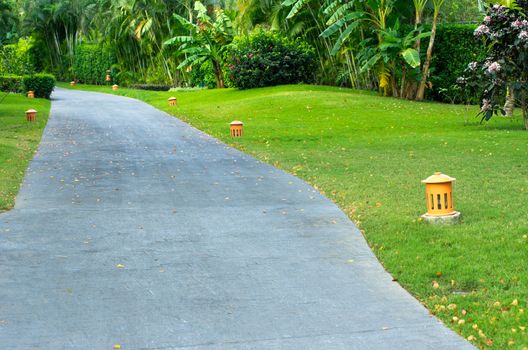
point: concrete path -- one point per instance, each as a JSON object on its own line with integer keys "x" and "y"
{"x": 133, "y": 228}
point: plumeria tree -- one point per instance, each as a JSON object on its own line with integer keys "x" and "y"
{"x": 504, "y": 72}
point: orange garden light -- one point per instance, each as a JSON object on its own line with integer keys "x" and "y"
{"x": 173, "y": 101}
{"x": 439, "y": 199}
{"x": 31, "y": 115}
{"x": 237, "y": 128}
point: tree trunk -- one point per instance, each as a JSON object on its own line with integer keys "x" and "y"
{"x": 425, "y": 73}
{"x": 218, "y": 74}
{"x": 509, "y": 106}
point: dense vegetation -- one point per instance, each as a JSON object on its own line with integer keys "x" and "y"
{"x": 371, "y": 44}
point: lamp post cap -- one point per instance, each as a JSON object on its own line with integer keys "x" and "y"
{"x": 438, "y": 178}
{"x": 236, "y": 122}
{"x": 31, "y": 111}
{"x": 172, "y": 98}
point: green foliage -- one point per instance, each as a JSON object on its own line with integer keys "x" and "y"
{"x": 207, "y": 42}
{"x": 150, "y": 87}
{"x": 456, "y": 47}
{"x": 91, "y": 63}
{"x": 8, "y": 21}
{"x": 267, "y": 59}
{"x": 203, "y": 76}
{"x": 11, "y": 83}
{"x": 41, "y": 84}
{"x": 17, "y": 58}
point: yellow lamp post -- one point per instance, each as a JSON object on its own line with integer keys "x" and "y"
{"x": 73, "y": 83}
{"x": 108, "y": 76}
{"x": 173, "y": 101}
{"x": 31, "y": 94}
{"x": 115, "y": 87}
{"x": 439, "y": 199}
{"x": 237, "y": 128}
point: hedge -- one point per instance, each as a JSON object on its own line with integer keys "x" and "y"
{"x": 91, "y": 63}
{"x": 11, "y": 83}
{"x": 41, "y": 84}
{"x": 267, "y": 59}
{"x": 455, "y": 47}
{"x": 151, "y": 87}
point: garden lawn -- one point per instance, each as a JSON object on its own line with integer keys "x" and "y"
{"x": 18, "y": 141}
{"x": 368, "y": 154}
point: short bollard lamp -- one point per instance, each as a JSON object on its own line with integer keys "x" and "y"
{"x": 72, "y": 83}
{"x": 115, "y": 87}
{"x": 173, "y": 101}
{"x": 31, "y": 115}
{"x": 439, "y": 198}
{"x": 237, "y": 128}
{"x": 31, "y": 94}
{"x": 108, "y": 76}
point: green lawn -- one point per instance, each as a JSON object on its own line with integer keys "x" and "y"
{"x": 368, "y": 154}
{"x": 18, "y": 141}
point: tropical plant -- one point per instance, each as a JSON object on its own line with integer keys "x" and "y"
{"x": 208, "y": 40}
{"x": 396, "y": 52}
{"x": 427, "y": 64}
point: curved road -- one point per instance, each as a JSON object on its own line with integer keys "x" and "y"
{"x": 133, "y": 228}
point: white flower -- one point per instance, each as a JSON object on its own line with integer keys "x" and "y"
{"x": 495, "y": 67}
{"x": 481, "y": 30}
{"x": 473, "y": 65}
{"x": 487, "y": 19}
{"x": 523, "y": 35}
{"x": 486, "y": 105}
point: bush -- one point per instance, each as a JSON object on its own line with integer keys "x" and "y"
{"x": 41, "y": 84}
{"x": 151, "y": 87}
{"x": 455, "y": 47}
{"x": 17, "y": 58}
{"x": 91, "y": 63}
{"x": 267, "y": 59}
{"x": 11, "y": 83}
{"x": 203, "y": 76}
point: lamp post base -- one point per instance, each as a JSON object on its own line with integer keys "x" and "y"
{"x": 445, "y": 219}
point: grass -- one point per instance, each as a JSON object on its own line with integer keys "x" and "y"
{"x": 368, "y": 154}
{"x": 18, "y": 142}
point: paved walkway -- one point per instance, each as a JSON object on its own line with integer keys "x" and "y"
{"x": 133, "y": 228}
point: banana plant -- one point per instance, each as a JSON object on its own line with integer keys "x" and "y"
{"x": 393, "y": 52}
{"x": 207, "y": 40}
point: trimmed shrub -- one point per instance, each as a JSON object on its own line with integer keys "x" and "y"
{"x": 91, "y": 63}
{"x": 268, "y": 59}
{"x": 17, "y": 58}
{"x": 41, "y": 84}
{"x": 455, "y": 47}
{"x": 11, "y": 83}
{"x": 151, "y": 87}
